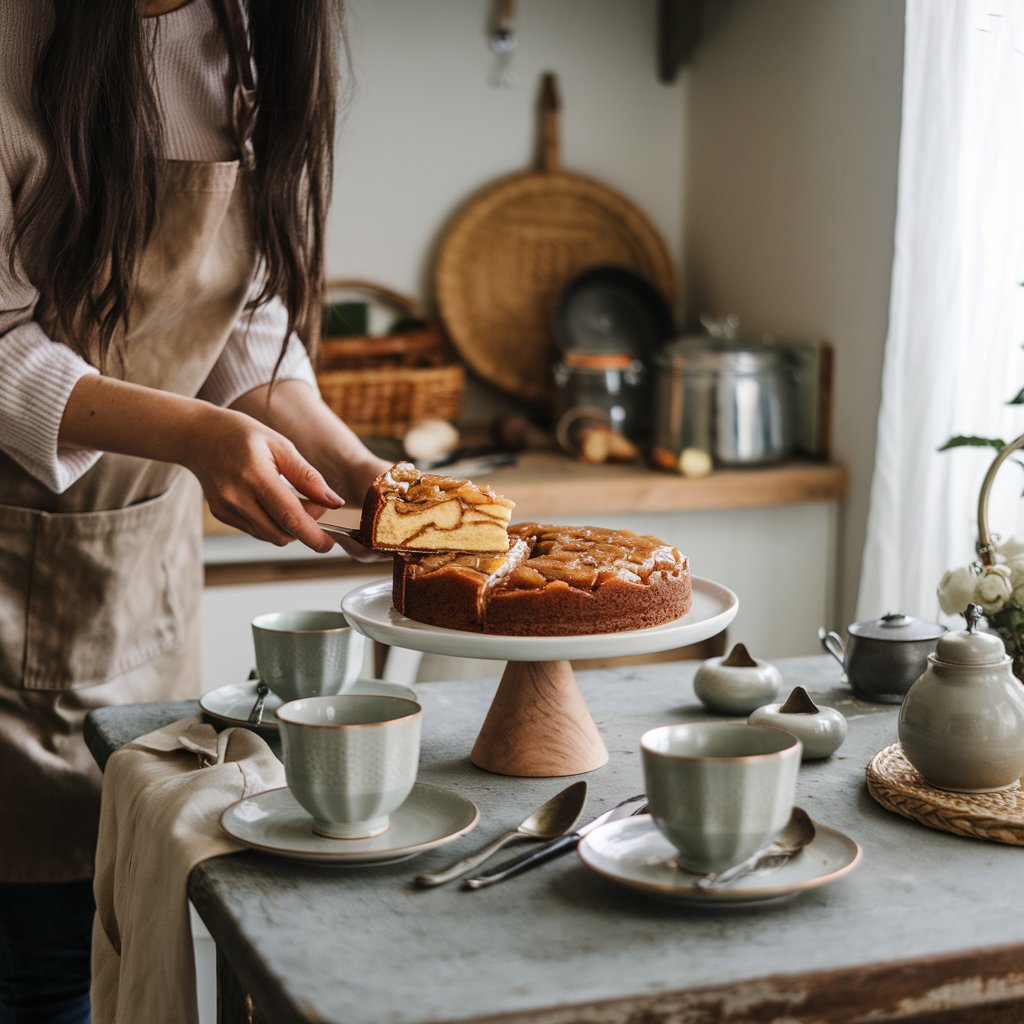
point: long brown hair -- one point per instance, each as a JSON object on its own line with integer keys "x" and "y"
{"x": 95, "y": 209}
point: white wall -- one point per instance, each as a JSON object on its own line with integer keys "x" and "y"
{"x": 794, "y": 115}
{"x": 424, "y": 130}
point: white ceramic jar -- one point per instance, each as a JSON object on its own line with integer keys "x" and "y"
{"x": 820, "y": 729}
{"x": 736, "y": 684}
{"x": 962, "y": 722}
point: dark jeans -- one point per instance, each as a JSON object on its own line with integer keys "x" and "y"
{"x": 45, "y": 940}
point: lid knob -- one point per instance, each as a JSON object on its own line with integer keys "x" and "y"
{"x": 894, "y": 620}
{"x": 968, "y": 646}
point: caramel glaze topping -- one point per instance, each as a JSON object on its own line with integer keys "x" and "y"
{"x": 584, "y": 557}
{"x": 414, "y": 490}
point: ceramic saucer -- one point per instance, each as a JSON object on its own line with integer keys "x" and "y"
{"x": 231, "y": 704}
{"x": 634, "y": 853}
{"x": 273, "y": 822}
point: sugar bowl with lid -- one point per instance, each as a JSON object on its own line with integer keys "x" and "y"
{"x": 961, "y": 724}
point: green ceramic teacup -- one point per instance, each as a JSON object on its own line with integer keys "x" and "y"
{"x": 719, "y": 791}
{"x": 307, "y": 653}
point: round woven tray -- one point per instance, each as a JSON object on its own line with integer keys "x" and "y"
{"x": 513, "y": 247}
{"x": 898, "y": 786}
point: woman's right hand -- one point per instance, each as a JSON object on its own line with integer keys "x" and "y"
{"x": 245, "y": 467}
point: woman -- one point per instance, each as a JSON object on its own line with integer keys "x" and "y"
{"x": 165, "y": 167}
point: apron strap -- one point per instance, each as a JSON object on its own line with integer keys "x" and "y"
{"x": 243, "y": 97}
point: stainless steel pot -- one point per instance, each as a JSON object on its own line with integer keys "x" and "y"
{"x": 730, "y": 396}
{"x": 884, "y": 657}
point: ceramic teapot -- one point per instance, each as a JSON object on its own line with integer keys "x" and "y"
{"x": 962, "y": 723}
{"x": 884, "y": 657}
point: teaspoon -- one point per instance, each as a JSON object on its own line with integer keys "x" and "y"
{"x": 797, "y": 833}
{"x": 553, "y": 818}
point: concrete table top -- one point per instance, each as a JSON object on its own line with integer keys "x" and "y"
{"x": 920, "y": 930}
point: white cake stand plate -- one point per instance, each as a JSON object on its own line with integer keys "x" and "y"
{"x": 538, "y": 723}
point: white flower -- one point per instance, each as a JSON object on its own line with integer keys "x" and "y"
{"x": 956, "y": 590}
{"x": 993, "y": 589}
{"x": 1016, "y": 567}
{"x": 1011, "y": 548}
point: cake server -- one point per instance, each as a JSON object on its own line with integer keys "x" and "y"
{"x": 352, "y": 532}
{"x": 552, "y": 819}
{"x": 631, "y": 805}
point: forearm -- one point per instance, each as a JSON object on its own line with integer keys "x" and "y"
{"x": 238, "y": 460}
{"x": 115, "y": 416}
{"x": 294, "y": 410}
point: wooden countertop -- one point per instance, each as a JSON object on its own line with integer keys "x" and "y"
{"x": 548, "y": 484}
{"x": 543, "y": 483}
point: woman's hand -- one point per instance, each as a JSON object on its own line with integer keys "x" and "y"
{"x": 292, "y": 408}
{"x": 240, "y": 466}
{"x": 239, "y": 461}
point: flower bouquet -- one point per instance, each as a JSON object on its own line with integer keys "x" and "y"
{"x": 996, "y": 581}
{"x": 998, "y": 589}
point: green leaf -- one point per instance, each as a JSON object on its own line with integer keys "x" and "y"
{"x": 1018, "y": 399}
{"x": 971, "y": 441}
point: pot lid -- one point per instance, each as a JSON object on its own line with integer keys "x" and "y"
{"x": 612, "y": 309}
{"x": 969, "y": 647}
{"x": 897, "y": 626}
{"x": 720, "y": 348}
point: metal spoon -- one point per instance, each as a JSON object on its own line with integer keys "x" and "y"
{"x": 798, "y": 832}
{"x": 262, "y": 691}
{"x": 552, "y": 819}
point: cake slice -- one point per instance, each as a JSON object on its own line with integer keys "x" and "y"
{"x": 406, "y": 510}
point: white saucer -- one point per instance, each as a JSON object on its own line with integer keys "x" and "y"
{"x": 634, "y": 853}
{"x": 273, "y": 822}
{"x": 232, "y": 703}
{"x": 370, "y": 610}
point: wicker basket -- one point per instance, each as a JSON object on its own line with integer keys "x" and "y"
{"x": 380, "y": 385}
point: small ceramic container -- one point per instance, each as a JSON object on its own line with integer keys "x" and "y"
{"x": 820, "y": 729}
{"x": 737, "y": 684}
{"x": 350, "y": 760}
{"x": 962, "y": 723}
{"x": 718, "y": 791}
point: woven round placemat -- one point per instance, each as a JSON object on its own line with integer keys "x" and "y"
{"x": 898, "y": 786}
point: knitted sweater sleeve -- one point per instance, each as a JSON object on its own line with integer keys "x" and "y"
{"x": 37, "y": 376}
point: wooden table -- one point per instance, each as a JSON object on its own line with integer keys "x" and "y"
{"x": 926, "y": 928}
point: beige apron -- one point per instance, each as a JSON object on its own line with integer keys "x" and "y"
{"x": 100, "y": 586}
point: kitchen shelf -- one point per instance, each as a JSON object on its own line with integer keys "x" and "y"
{"x": 549, "y": 484}
{"x": 545, "y": 484}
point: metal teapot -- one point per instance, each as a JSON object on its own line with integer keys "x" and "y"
{"x": 884, "y": 657}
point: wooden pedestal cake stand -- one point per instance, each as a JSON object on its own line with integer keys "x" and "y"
{"x": 538, "y": 724}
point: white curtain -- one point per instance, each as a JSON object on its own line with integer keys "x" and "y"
{"x": 953, "y": 354}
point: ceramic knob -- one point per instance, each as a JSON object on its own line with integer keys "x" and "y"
{"x": 820, "y": 729}
{"x": 961, "y": 724}
{"x": 736, "y": 684}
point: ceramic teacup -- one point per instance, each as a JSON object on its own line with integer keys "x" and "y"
{"x": 350, "y": 760}
{"x": 719, "y": 791}
{"x": 307, "y": 653}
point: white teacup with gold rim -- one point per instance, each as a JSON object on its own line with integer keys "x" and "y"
{"x": 351, "y": 759}
{"x": 719, "y": 791}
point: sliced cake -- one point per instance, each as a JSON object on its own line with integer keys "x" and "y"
{"x": 552, "y": 581}
{"x": 407, "y": 510}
